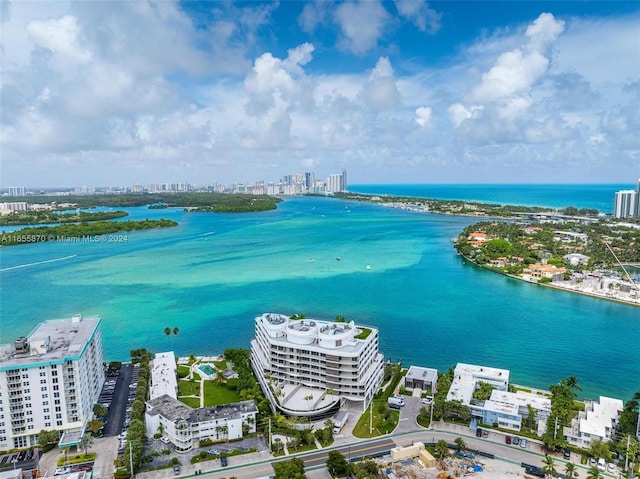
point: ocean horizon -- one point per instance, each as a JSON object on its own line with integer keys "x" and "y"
{"x": 211, "y": 275}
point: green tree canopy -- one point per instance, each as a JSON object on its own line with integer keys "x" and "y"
{"x": 292, "y": 469}
{"x": 337, "y": 465}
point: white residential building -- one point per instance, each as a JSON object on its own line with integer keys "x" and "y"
{"x": 163, "y": 376}
{"x": 467, "y": 376}
{"x": 627, "y": 203}
{"x": 597, "y": 421}
{"x": 308, "y": 367}
{"x": 50, "y": 380}
{"x": 508, "y": 409}
{"x": 184, "y": 426}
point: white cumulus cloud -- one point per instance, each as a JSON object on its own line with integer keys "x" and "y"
{"x": 362, "y": 24}
{"x": 419, "y": 12}
{"x": 423, "y": 116}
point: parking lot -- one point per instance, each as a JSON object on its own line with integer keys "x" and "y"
{"x": 25, "y": 460}
{"x": 118, "y": 394}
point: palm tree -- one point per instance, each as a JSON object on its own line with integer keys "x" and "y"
{"x": 460, "y": 444}
{"x": 167, "y": 331}
{"x": 570, "y": 470}
{"x": 309, "y": 398}
{"x": 442, "y": 449}
{"x": 572, "y": 383}
{"x": 594, "y": 473}
{"x": 549, "y": 467}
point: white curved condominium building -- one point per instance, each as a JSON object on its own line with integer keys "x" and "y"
{"x": 308, "y": 367}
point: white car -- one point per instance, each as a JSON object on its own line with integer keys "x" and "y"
{"x": 426, "y": 400}
{"x": 611, "y": 467}
{"x": 165, "y": 439}
{"x": 62, "y": 470}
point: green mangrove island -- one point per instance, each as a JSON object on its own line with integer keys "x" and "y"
{"x": 76, "y": 231}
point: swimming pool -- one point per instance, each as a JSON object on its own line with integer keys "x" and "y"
{"x": 207, "y": 369}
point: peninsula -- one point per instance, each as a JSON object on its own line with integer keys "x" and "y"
{"x": 592, "y": 258}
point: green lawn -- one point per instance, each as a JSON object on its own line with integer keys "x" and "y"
{"x": 215, "y": 394}
{"x": 188, "y": 388}
{"x": 221, "y": 365}
{"x": 361, "y": 429}
{"x": 191, "y": 402}
{"x": 183, "y": 371}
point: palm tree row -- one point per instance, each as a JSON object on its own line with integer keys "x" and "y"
{"x": 549, "y": 468}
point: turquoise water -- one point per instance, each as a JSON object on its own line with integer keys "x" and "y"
{"x": 211, "y": 275}
{"x": 207, "y": 369}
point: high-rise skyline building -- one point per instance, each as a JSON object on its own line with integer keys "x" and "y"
{"x": 17, "y": 191}
{"x": 627, "y": 203}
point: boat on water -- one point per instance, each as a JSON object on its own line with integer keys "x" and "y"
{"x": 367, "y": 267}
{"x": 338, "y": 258}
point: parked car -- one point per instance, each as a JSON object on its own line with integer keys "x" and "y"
{"x": 523, "y": 442}
{"x": 592, "y": 461}
{"x": 223, "y": 461}
{"x": 516, "y": 441}
{"x": 534, "y": 471}
{"x": 611, "y": 467}
{"x": 176, "y": 469}
{"x": 215, "y": 452}
{"x": 62, "y": 470}
{"x": 601, "y": 464}
{"x": 507, "y": 439}
{"x": 165, "y": 439}
{"x": 485, "y": 433}
{"x": 478, "y": 432}
{"x": 567, "y": 454}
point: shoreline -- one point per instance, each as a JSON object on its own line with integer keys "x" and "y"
{"x": 557, "y": 287}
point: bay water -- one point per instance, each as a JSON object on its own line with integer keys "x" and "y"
{"x": 392, "y": 269}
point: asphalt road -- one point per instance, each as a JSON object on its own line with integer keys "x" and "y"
{"x": 258, "y": 465}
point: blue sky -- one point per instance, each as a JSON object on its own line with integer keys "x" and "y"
{"x": 406, "y": 91}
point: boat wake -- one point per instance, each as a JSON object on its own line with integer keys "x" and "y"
{"x": 39, "y": 262}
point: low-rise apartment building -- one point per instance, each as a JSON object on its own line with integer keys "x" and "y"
{"x": 467, "y": 376}
{"x": 598, "y": 421}
{"x": 163, "y": 376}
{"x": 185, "y": 427}
{"x": 509, "y": 409}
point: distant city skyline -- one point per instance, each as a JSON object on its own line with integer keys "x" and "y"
{"x": 406, "y": 91}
